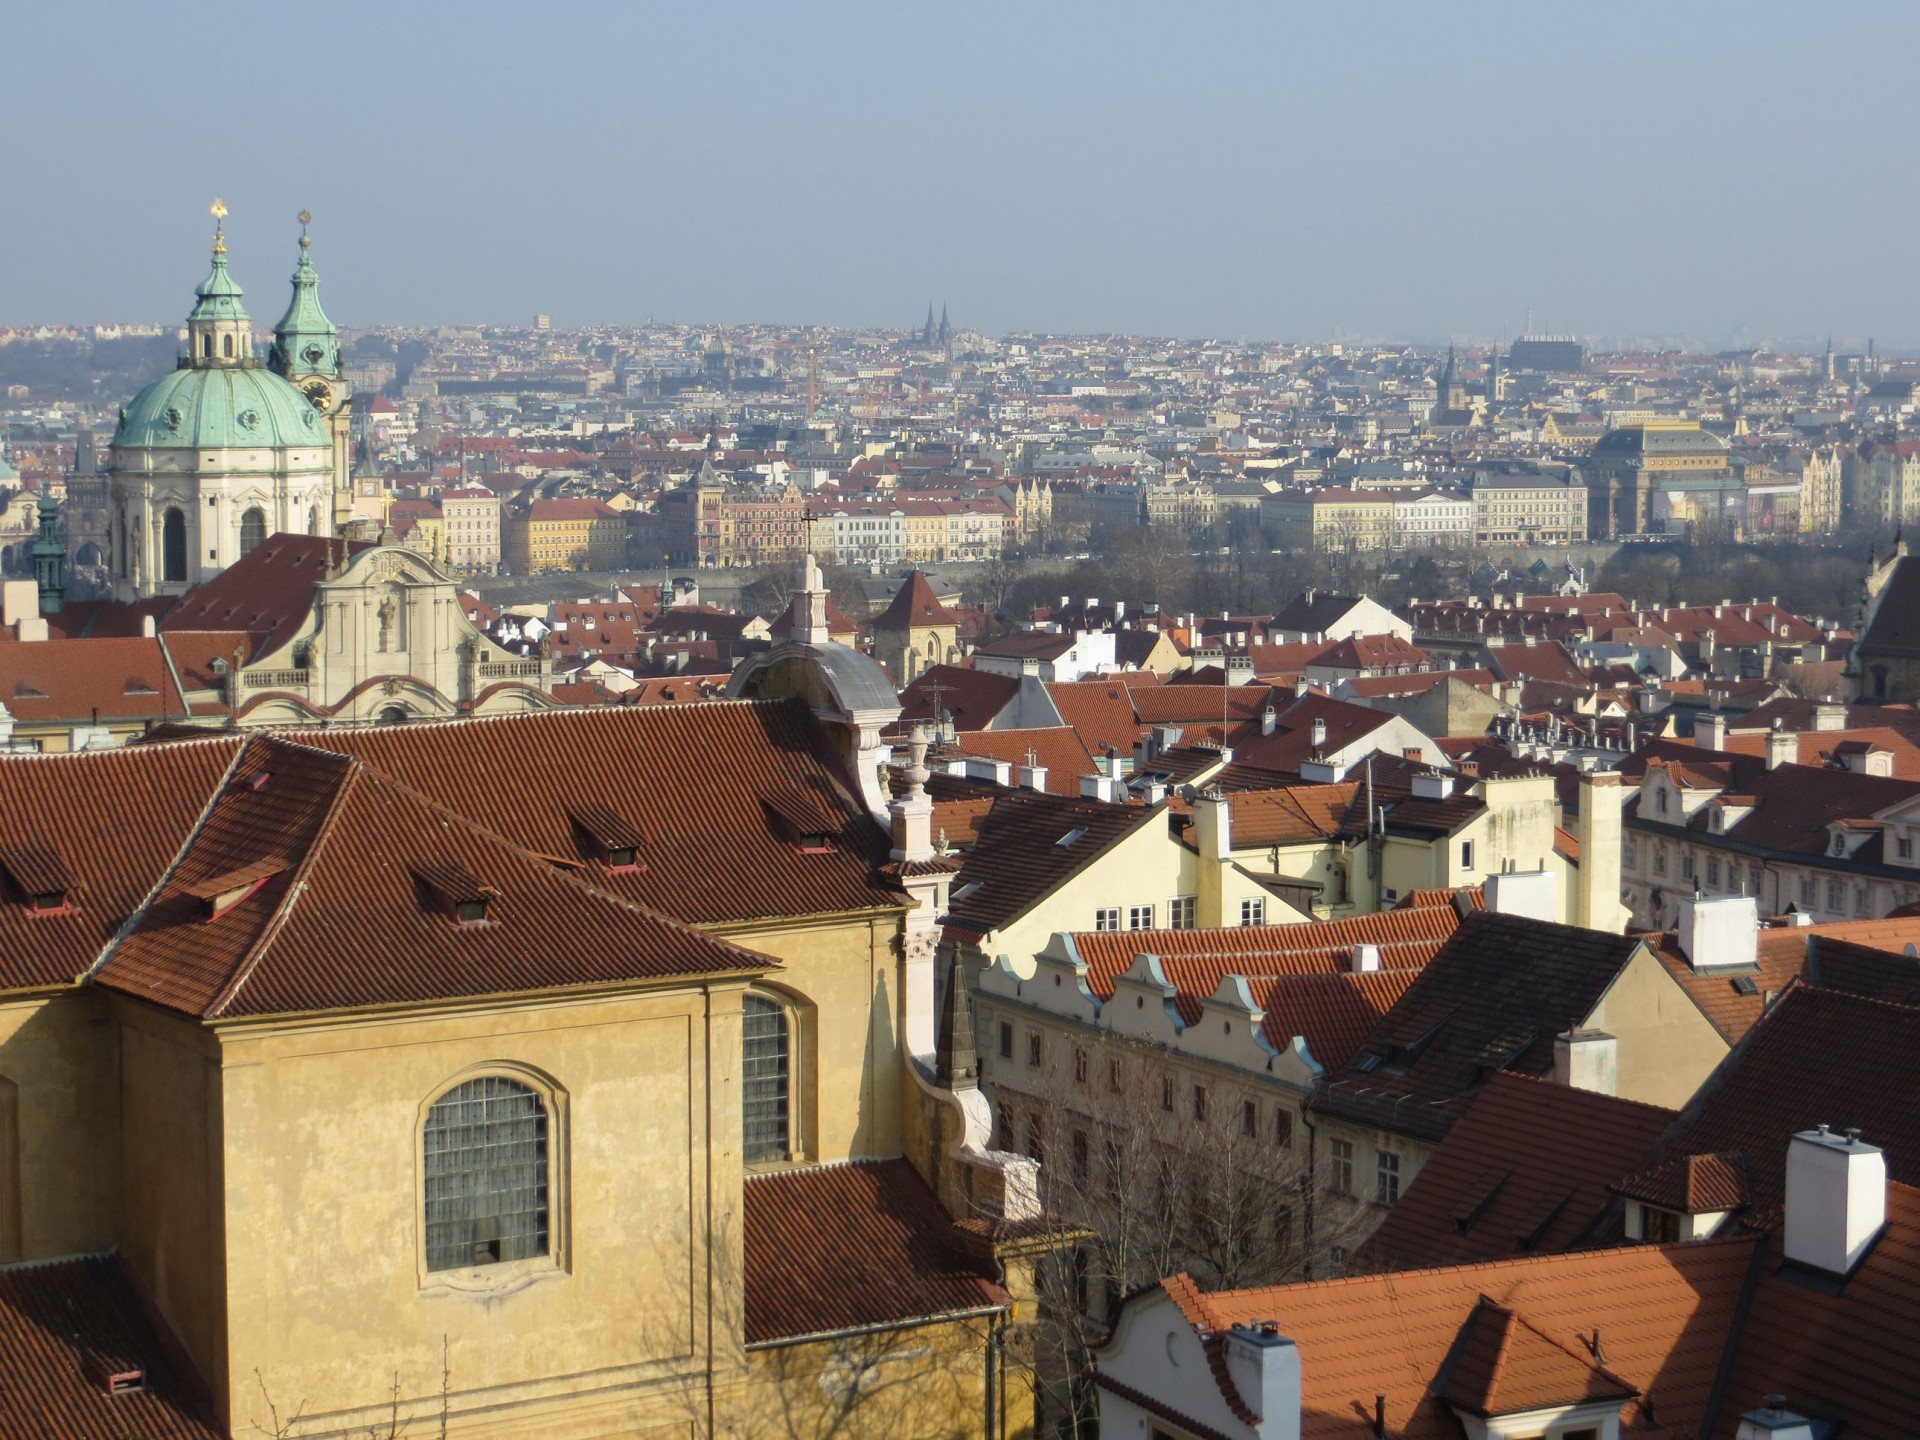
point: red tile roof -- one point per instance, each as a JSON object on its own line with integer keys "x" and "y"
{"x": 1058, "y": 749}
{"x": 1663, "y": 1313}
{"x": 914, "y": 605}
{"x": 1018, "y": 859}
{"x": 691, "y": 777}
{"x": 1102, "y": 711}
{"x": 81, "y": 681}
{"x": 1527, "y": 1168}
{"x": 267, "y": 593}
{"x": 842, "y": 1247}
{"x": 66, "y": 1329}
{"x": 1504, "y": 1366}
{"x": 348, "y": 882}
{"x": 113, "y": 819}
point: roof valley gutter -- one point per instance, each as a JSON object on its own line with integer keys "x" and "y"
{"x": 139, "y": 911}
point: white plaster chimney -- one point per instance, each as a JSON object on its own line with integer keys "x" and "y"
{"x": 1433, "y": 785}
{"x": 1773, "y": 1421}
{"x": 1531, "y": 893}
{"x": 1596, "y": 896}
{"x": 1720, "y": 932}
{"x": 1264, "y": 1366}
{"x": 1586, "y": 1060}
{"x": 1836, "y": 1199}
{"x": 1710, "y": 730}
{"x": 1365, "y": 959}
{"x": 1783, "y": 748}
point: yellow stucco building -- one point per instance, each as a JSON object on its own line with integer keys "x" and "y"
{"x": 560, "y": 1075}
{"x": 565, "y": 535}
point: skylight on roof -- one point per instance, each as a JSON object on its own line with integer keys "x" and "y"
{"x": 1072, "y": 835}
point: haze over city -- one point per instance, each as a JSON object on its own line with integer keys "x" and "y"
{"x": 1710, "y": 174}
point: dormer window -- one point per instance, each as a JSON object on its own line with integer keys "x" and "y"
{"x": 1839, "y": 844}
{"x": 1660, "y": 800}
{"x": 804, "y": 821}
{"x": 42, "y": 881}
{"x": 221, "y": 892}
{"x": 447, "y": 886}
{"x": 612, "y": 839}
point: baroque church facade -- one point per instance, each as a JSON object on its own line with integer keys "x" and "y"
{"x": 210, "y": 459}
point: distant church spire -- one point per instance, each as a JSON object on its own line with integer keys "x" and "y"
{"x": 926, "y": 331}
{"x": 305, "y": 341}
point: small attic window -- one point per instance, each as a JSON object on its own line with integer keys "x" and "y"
{"x": 46, "y": 884}
{"x": 115, "y": 1377}
{"x": 220, "y": 893}
{"x": 446, "y": 886}
{"x": 1072, "y": 835}
{"x": 616, "y": 843}
{"x": 1743, "y": 985}
{"x": 804, "y": 821}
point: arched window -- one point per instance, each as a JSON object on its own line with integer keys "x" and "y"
{"x": 206, "y": 346}
{"x": 485, "y": 1144}
{"x": 226, "y": 346}
{"x": 313, "y": 520}
{"x": 173, "y": 546}
{"x": 765, "y": 1074}
{"x": 253, "y": 528}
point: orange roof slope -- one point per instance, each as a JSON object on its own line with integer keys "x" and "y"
{"x": 1525, "y": 1170}
{"x": 1663, "y": 1313}
{"x": 78, "y": 681}
{"x": 841, "y": 1247}
{"x": 67, "y": 1328}
{"x": 113, "y": 821}
{"x": 704, "y": 782}
{"x": 345, "y": 886}
{"x": 1504, "y": 1366}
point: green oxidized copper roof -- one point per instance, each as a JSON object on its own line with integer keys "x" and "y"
{"x": 219, "y": 294}
{"x": 223, "y": 406}
{"x": 305, "y": 342}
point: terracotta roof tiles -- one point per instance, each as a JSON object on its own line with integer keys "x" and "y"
{"x": 841, "y": 1247}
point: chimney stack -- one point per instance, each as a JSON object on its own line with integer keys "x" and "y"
{"x": 1586, "y": 1060}
{"x": 1720, "y": 932}
{"x": 1836, "y": 1199}
{"x": 1264, "y": 1366}
{"x": 1783, "y": 747}
{"x": 1710, "y": 730}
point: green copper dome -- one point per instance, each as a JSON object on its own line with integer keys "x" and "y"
{"x": 305, "y": 342}
{"x": 221, "y": 407}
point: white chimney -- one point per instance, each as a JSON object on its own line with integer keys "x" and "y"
{"x": 1720, "y": 932}
{"x": 1433, "y": 785}
{"x": 1783, "y": 748}
{"x": 1586, "y": 1060}
{"x": 1836, "y": 1199}
{"x": 1365, "y": 959}
{"x": 1773, "y": 1421}
{"x": 1710, "y": 730}
{"x": 1264, "y": 1366}
{"x": 1318, "y": 735}
{"x": 1531, "y": 893}
{"x": 1829, "y": 715}
{"x": 1269, "y": 718}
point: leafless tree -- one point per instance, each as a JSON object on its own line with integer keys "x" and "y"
{"x": 1168, "y": 1170}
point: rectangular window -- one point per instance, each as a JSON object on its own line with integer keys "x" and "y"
{"x": 1903, "y": 847}
{"x": 1113, "y": 1076}
{"x": 1808, "y": 890}
{"x": 1200, "y": 1102}
{"x": 1386, "y": 1177}
{"x": 1080, "y": 1165}
{"x": 1283, "y": 1127}
{"x": 1253, "y": 912}
{"x": 1140, "y": 917}
{"x": 1182, "y": 912}
{"x": 1340, "y": 1170}
{"x": 1006, "y": 1040}
{"x": 1659, "y": 1227}
{"x": 1629, "y": 852}
{"x": 1035, "y": 1047}
{"x": 1466, "y": 854}
{"x": 1166, "y": 1093}
{"x": 1713, "y": 871}
{"x": 1659, "y": 859}
{"x": 1079, "y": 1067}
{"x": 1833, "y": 894}
{"x": 1686, "y": 866}
{"x": 1107, "y": 917}
{"x": 1249, "y": 1118}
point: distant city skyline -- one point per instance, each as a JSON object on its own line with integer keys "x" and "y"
{"x": 1711, "y": 175}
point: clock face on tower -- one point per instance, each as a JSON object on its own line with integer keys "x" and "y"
{"x": 321, "y": 396}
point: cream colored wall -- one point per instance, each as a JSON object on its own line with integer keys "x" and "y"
{"x": 850, "y": 1081}
{"x": 170, "y": 1172}
{"x": 928, "y": 1383}
{"x": 1666, "y": 1045}
{"x": 59, "y": 1053}
{"x": 329, "y": 1299}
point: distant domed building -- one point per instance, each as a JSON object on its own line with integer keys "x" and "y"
{"x": 208, "y": 461}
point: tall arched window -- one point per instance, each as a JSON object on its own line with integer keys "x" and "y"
{"x": 173, "y": 546}
{"x": 226, "y": 346}
{"x": 485, "y": 1145}
{"x": 765, "y": 1088}
{"x": 313, "y": 520}
{"x": 206, "y": 346}
{"x": 253, "y": 528}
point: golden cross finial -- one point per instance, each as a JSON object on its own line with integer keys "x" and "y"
{"x": 219, "y": 212}
{"x": 386, "y": 510}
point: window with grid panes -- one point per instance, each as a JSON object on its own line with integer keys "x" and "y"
{"x": 1386, "y": 1177}
{"x": 1340, "y": 1178}
{"x": 485, "y": 1168}
{"x": 1182, "y": 911}
{"x": 764, "y": 1077}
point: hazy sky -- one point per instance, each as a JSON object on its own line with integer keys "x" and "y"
{"x": 1729, "y": 173}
